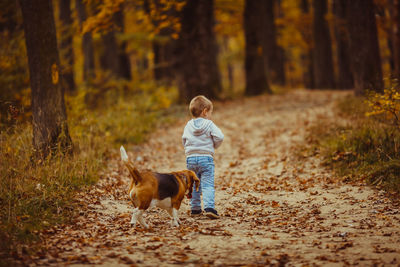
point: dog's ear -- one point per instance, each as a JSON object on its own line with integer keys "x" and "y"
{"x": 193, "y": 179}
{"x": 185, "y": 177}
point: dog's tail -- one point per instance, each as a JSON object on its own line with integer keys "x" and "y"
{"x": 132, "y": 170}
{"x": 124, "y": 156}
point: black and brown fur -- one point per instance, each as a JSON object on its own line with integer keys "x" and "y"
{"x": 150, "y": 188}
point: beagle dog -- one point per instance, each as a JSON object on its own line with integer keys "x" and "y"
{"x": 152, "y": 189}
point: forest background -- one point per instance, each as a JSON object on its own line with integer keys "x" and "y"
{"x": 114, "y": 70}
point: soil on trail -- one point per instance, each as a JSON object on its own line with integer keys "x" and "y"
{"x": 276, "y": 209}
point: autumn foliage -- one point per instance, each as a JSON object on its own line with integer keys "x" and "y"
{"x": 133, "y": 65}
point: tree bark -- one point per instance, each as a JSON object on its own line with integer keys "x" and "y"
{"x": 163, "y": 44}
{"x": 256, "y": 79}
{"x": 364, "y": 47}
{"x": 274, "y": 54}
{"x": 196, "y": 51}
{"x": 114, "y": 57}
{"x": 307, "y": 58}
{"x": 124, "y": 62}
{"x": 396, "y": 39}
{"x": 109, "y": 58}
{"x": 163, "y": 60}
{"x": 323, "y": 64}
{"x": 345, "y": 74}
{"x": 66, "y": 51}
{"x": 87, "y": 44}
{"x": 229, "y": 66}
{"x": 8, "y": 20}
{"x": 50, "y": 129}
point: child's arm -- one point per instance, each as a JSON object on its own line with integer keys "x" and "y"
{"x": 216, "y": 135}
{"x": 184, "y": 137}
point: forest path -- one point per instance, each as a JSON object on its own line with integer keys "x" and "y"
{"x": 276, "y": 209}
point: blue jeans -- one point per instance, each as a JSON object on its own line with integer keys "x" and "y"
{"x": 203, "y": 166}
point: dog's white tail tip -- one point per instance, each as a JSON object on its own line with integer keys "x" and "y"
{"x": 124, "y": 156}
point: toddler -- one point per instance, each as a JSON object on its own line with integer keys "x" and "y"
{"x": 200, "y": 137}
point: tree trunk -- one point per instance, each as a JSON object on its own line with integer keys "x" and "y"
{"x": 256, "y": 79}
{"x": 198, "y": 71}
{"x": 114, "y": 57}
{"x": 109, "y": 59}
{"x": 50, "y": 129}
{"x": 163, "y": 44}
{"x": 323, "y": 64}
{"x": 274, "y": 55}
{"x": 345, "y": 75}
{"x": 8, "y": 21}
{"x": 396, "y": 39}
{"x": 163, "y": 60}
{"x": 124, "y": 62}
{"x": 87, "y": 44}
{"x": 364, "y": 47}
{"x": 229, "y": 66}
{"x": 307, "y": 58}
{"x": 67, "y": 54}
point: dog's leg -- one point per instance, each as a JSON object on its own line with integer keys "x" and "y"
{"x": 134, "y": 217}
{"x": 170, "y": 212}
{"x": 141, "y": 219}
{"x": 175, "y": 220}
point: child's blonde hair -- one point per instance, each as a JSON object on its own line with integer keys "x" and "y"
{"x": 198, "y": 104}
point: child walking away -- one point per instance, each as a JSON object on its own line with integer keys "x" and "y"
{"x": 200, "y": 137}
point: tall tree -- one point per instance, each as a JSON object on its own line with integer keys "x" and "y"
{"x": 307, "y": 58}
{"x": 8, "y": 20}
{"x": 196, "y": 52}
{"x": 124, "y": 62}
{"x": 229, "y": 66}
{"x": 163, "y": 44}
{"x": 272, "y": 52}
{"x": 256, "y": 79}
{"x": 396, "y": 38}
{"x": 364, "y": 47}
{"x": 345, "y": 75}
{"x": 323, "y": 63}
{"x": 50, "y": 129}
{"x": 66, "y": 51}
{"x": 114, "y": 57}
{"x": 87, "y": 43}
{"x": 109, "y": 58}
{"x": 163, "y": 57}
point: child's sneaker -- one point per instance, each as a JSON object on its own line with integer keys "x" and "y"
{"x": 211, "y": 213}
{"x": 194, "y": 213}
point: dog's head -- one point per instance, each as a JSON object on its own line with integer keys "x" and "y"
{"x": 189, "y": 178}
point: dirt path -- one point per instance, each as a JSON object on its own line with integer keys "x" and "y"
{"x": 276, "y": 210}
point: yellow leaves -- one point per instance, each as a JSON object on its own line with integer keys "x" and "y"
{"x": 229, "y": 15}
{"x": 387, "y": 104}
{"x": 175, "y": 36}
{"x": 259, "y": 50}
{"x": 54, "y": 73}
{"x": 372, "y": 113}
{"x": 102, "y": 21}
{"x": 294, "y": 29}
{"x": 165, "y": 18}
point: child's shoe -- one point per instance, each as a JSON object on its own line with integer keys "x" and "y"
{"x": 194, "y": 213}
{"x": 211, "y": 213}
